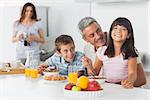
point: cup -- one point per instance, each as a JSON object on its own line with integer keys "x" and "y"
{"x": 72, "y": 75}
{"x": 34, "y": 73}
{"x": 27, "y": 72}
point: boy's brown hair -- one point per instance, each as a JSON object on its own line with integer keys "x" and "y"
{"x": 63, "y": 40}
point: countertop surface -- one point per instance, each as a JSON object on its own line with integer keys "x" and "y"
{"x": 19, "y": 87}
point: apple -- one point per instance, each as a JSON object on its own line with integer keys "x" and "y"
{"x": 69, "y": 86}
{"x": 76, "y": 88}
{"x": 93, "y": 86}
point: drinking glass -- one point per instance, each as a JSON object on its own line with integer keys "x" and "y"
{"x": 72, "y": 75}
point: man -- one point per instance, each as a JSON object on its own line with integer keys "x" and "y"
{"x": 91, "y": 32}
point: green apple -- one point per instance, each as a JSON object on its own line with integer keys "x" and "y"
{"x": 76, "y": 88}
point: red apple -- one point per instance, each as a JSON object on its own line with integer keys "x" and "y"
{"x": 69, "y": 86}
{"x": 93, "y": 86}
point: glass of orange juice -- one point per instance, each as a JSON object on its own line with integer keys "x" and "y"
{"x": 27, "y": 72}
{"x": 72, "y": 75}
{"x": 34, "y": 73}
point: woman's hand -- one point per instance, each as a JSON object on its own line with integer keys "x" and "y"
{"x": 20, "y": 37}
{"x": 31, "y": 38}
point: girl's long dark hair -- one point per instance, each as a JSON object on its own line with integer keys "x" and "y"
{"x": 127, "y": 49}
{"x": 34, "y": 16}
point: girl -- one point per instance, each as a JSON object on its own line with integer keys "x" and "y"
{"x": 119, "y": 58}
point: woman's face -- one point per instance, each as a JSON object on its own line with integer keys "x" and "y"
{"x": 119, "y": 33}
{"x": 29, "y": 12}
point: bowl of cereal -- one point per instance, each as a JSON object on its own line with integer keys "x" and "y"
{"x": 51, "y": 72}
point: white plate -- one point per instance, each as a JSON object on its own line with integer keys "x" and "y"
{"x": 101, "y": 80}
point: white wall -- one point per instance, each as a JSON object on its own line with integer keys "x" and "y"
{"x": 64, "y": 16}
{"x": 135, "y": 12}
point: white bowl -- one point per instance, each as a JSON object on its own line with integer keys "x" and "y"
{"x": 87, "y": 95}
{"x": 51, "y": 73}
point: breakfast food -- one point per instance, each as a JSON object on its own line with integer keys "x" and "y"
{"x": 51, "y": 70}
{"x": 55, "y": 78}
{"x": 93, "y": 86}
{"x": 82, "y": 82}
{"x": 84, "y": 88}
{"x": 69, "y": 86}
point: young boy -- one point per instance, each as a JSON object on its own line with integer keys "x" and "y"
{"x": 65, "y": 57}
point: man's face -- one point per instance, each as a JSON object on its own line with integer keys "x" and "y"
{"x": 93, "y": 34}
{"x": 67, "y": 52}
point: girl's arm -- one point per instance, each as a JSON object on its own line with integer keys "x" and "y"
{"x": 132, "y": 73}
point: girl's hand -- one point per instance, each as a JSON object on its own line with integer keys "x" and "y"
{"x": 127, "y": 84}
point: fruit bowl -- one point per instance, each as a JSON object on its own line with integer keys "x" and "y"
{"x": 92, "y": 90}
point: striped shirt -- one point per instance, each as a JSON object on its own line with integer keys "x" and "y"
{"x": 63, "y": 66}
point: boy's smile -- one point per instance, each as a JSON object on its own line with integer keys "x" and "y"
{"x": 67, "y": 52}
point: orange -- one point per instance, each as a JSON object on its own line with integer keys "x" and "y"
{"x": 83, "y": 82}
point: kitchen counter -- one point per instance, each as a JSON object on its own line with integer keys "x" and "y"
{"x": 19, "y": 87}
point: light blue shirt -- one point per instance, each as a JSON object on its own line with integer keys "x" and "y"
{"x": 21, "y": 50}
{"x": 63, "y": 66}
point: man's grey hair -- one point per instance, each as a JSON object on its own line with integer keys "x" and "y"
{"x": 85, "y": 22}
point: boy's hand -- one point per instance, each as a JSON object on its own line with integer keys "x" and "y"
{"x": 127, "y": 84}
{"x": 86, "y": 62}
{"x": 41, "y": 68}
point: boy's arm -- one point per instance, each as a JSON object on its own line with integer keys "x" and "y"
{"x": 90, "y": 69}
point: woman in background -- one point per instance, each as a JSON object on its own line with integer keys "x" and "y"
{"x": 27, "y": 33}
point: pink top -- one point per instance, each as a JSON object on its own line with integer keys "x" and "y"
{"x": 115, "y": 68}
